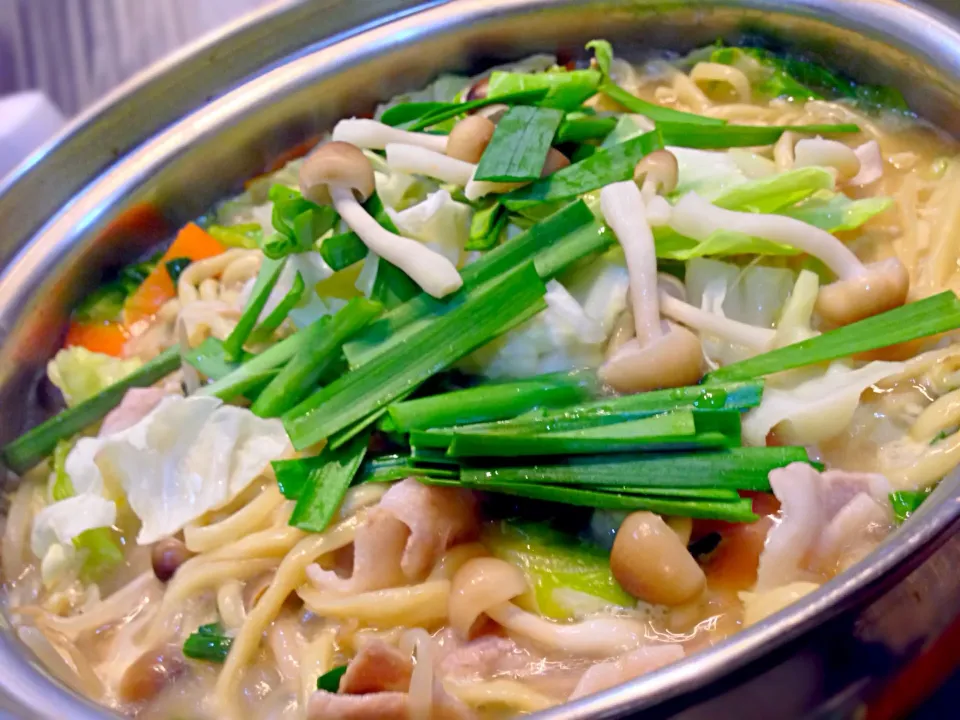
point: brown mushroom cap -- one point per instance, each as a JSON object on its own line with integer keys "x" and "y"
{"x": 469, "y": 138}
{"x": 883, "y": 287}
{"x": 661, "y": 168}
{"x": 652, "y": 564}
{"x": 336, "y": 164}
{"x": 478, "y": 91}
{"x": 556, "y": 160}
{"x": 675, "y": 359}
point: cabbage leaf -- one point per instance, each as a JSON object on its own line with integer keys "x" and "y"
{"x": 80, "y": 373}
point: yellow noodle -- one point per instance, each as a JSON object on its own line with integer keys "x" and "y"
{"x": 929, "y": 468}
{"x": 942, "y": 414}
{"x": 416, "y": 605}
{"x": 502, "y": 693}
{"x": 242, "y": 523}
{"x": 241, "y": 270}
{"x": 273, "y": 542}
{"x": 783, "y": 151}
{"x": 230, "y": 604}
{"x": 196, "y": 272}
{"x": 689, "y": 94}
{"x": 131, "y": 598}
{"x": 290, "y": 574}
{"x": 315, "y": 660}
{"x": 708, "y": 72}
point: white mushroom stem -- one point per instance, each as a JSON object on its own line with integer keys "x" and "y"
{"x": 374, "y": 135}
{"x": 698, "y": 219}
{"x": 596, "y": 637}
{"x": 430, "y": 270}
{"x": 417, "y": 161}
{"x": 623, "y": 209}
{"x": 734, "y": 332}
{"x": 476, "y": 189}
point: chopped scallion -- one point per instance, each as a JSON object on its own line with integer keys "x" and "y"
{"x": 299, "y": 376}
{"x": 330, "y": 680}
{"x": 491, "y": 402}
{"x": 519, "y": 146}
{"x": 275, "y": 318}
{"x": 657, "y": 113}
{"x": 603, "y": 167}
{"x": 322, "y": 493}
{"x": 441, "y": 342}
{"x": 266, "y": 280}
{"x": 709, "y": 137}
{"x": 452, "y": 110}
{"x": 208, "y": 643}
{"x": 923, "y": 318}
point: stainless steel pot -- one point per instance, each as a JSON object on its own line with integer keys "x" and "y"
{"x": 187, "y": 133}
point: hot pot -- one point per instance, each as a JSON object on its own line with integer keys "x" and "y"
{"x": 167, "y": 145}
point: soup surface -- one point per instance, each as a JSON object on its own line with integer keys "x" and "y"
{"x": 534, "y": 383}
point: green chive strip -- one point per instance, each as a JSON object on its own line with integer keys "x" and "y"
{"x": 582, "y": 129}
{"x": 452, "y": 110}
{"x": 34, "y": 445}
{"x": 208, "y": 643}
{"x": 266, "y": 280}
{"x": 738, "y": 511}
{"x": 732, "y": 396}
{"x": 670, "y": 431}
{"x": 931, "y": 316}
{"x": 436, "y": 346}
{"x": 737, "y": 468}
{"x": 519, "y": 146}
{"x": 264, "y": 366}
{"x": 540, "y": 243}
{"x": 657, "y": 113}
{"x": 343, "y": 250}
{"x": 491, "y": 402}
{"x": 602, "y": 168}
{"x": 324, "y": 490}
{"x": 487, "y": 226}
{"x": 275, "y": 318}
{"x": 729, "y": 136}
{"x": 330, "y": 680}
{"x": 567, "y": 89}
{"x": 299, "y": 377}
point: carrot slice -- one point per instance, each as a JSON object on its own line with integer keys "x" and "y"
{"x": 107, "y": 338}
{"x": 191, "y": 242}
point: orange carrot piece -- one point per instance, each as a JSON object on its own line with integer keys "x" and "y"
{"x": 107, "y": 338}
{"x": 191, "y": 242}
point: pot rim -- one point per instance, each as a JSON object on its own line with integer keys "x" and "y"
{"x": 926, "y": 33}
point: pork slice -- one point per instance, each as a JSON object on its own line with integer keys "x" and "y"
{"x": 437, "y": 518}
{"x": 378, "y": 667}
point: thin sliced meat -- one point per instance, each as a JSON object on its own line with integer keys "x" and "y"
{"x": 437, "y": 518}
{"x": 797, "y": 487}
{"x": 377, "y": 551}
{"x": 484, "y": 658}
{"x": 325, "y": 705}
{"x": 641, "y": 661}
{"x": 383, "y": 706}
{"x": 829, "y": 520}
{"x": 137, "y": 403}
{"x": 378, "y": 667}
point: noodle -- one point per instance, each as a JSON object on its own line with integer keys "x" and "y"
{"x": 415, "y": 605}
{"x": 242, "y": 523}
{"x": 290, "y": 574}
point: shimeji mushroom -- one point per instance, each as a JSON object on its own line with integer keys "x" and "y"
{"x": 469, "y": 138}
{"x": 465, "y": 146}
{"x": 732, "y": 331}
{"x": 374, "y": 135}
{"x": 861, "y": 290}
{"x": 661, "y": 354}
{"x": 335, "y": 173}
{"x": 485, "y": 586}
